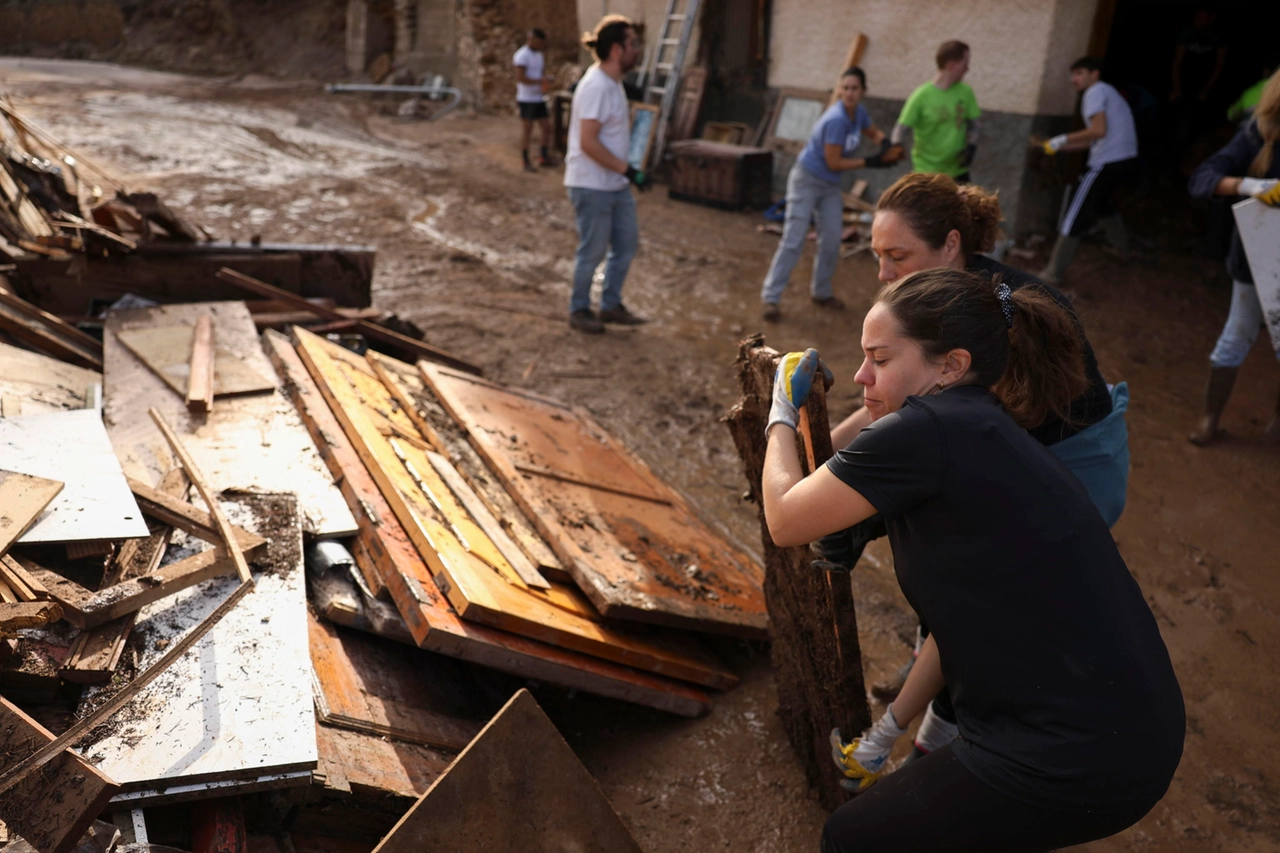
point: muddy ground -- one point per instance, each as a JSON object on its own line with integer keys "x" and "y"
{"x": 478, "y": 253}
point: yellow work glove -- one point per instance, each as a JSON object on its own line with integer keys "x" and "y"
{"x": 1053, "y": 146}
{"x": 791, "y": 385}
{"x": 862, "y": 760}
{"x": 1271, "y": 196}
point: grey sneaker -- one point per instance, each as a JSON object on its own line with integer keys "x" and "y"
{"x": 586, "y": 321}
{"x": 619, "y": 315}
{"x": 770, "y": 312}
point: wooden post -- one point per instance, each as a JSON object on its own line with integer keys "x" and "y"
{"x": 851, "y": 59}
{"x": 200, "y": 373}
{"x": 816, "y": 657}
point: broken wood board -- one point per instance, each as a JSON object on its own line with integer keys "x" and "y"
{"x": 517, "y": 786}
{"x": 816, "y": 656}
{"x": 28, "y": 323}
{"x": 23, "y": 498}
{"x": 373, "y": 686}
{"x": 27, "y": 614}
{"x": 468, "y": 568}
{"x": 73, "y": 448}
{"x": 235, "y": 712}
{"x": 50, "y": 809}
{"x": 167, "y": 351}
{"x": 446, "y": 437}
{"x": 253, "y": 443}
{"x": 631, "y": 542}
{"x": 435, "y": 626}
{"x": 42, "y": 384}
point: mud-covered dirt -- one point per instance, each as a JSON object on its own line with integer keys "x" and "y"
{"x": 479, "y": 253}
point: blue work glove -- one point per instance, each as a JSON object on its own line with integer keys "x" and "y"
{"x": 791, "y": 385}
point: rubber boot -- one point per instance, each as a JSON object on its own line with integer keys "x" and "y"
{"x": 1064, "y": 252}
{"x": 1272, "y": 433}
{"x": 1117, "y": 235}
{"x": 1217, "y": 391}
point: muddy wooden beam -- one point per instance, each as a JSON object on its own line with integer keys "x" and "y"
{"x": 28, "y": 323}
{"x": 189, "y": 519}
{"x": 28, "y": 614}
{"x": 417, "y": 348}
{"x": 816, "y": 657}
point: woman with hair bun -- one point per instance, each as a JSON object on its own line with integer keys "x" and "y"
{"x": 1070, "y": 715}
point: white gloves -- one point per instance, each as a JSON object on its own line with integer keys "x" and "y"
{"x": 863, "y": 759}
{"x": 1053, "y": 146}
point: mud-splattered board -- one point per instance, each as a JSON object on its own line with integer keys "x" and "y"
{"x": 253, "y": 443}
{"x": 631, "y": 542}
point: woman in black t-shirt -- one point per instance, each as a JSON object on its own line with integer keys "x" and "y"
{"x": 1071, "y": 719}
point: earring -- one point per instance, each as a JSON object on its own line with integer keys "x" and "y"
{"x": 941, "y": 387}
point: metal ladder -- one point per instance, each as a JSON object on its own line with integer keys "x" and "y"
{"x": 666, "y": 61}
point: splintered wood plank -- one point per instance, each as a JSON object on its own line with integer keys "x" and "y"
{"x": 466, "y": 566}
{"x": 235, "y": 710}
{"x": 28, "y": 614}
{"x": 42, "y": 384}
{"x": 73, "y": 448}
{"x": 447, "y": 438}
{"x": 372, "y": 686}
{"x": 632, "y": 543}
{"x": 190, "y": 519}
{"x": 28, "y": 323}
{"x": 50, "y": 809}
{"x": 517, "y": 786}
{"x": 354, "y": 761}
{"x": 22, "y": 499}
{"x": 200, "y": 367}
{"x": 433, "y": 624}
{"x": 251, "y": 443}
{"x": 167, "y": 351}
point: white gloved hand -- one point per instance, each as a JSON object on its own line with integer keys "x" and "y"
{"x": 863, "y": 759}
{"x": 1053, "y": 146}
{"x": 1256, "y": 186}
{"x": 934, "y": 732}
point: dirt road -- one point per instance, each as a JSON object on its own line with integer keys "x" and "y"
{"x": 478, "y": 253}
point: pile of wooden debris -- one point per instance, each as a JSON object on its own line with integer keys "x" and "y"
{"x": 278, "y": 562}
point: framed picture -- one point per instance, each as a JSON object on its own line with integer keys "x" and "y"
{"x": 797, "y": 111}
{"x": 644, "y": 124}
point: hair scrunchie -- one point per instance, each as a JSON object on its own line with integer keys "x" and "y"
{"x": 1005, "y": 295}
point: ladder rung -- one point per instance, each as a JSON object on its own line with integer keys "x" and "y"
{"x": 669, "y": 41}
{"x": 678, "y": 16}
{"x": 657, "y": 90}
{"x": 665, "y": 66}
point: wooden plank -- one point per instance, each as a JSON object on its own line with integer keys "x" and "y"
{"x": 18, "y": 579}
{"x": 264, "y": 319}
{"x": 190, "y": 519}
{"x": 226, "y": 533}
{"x": 167, "y": 351}
{"x": 447, "y": 438}
{"x": 251, "y": 443}
{"x": 468, "y": 569}
{"x": 816, "y": 656}
{"x": 217, "y": 826}
{"x": 419, "y": 349}
{"x": 42, "y": 384}
{"x": 87, "y": 609}
{"x": 28, "y": 323}
{"x": 237, "y": 709}
{"x": 49, "y": 822}
{"x": 517, "y": 786}
{"x": 632, "y": 543}
{"x": 433, "y": 624}
{"x": 368, "y": 685}
{"x": 377, "y": 766}
{"x": 852, "y": 59}
{"x": 73, "y": 448}
{"x": 28, "y": 614}
{"x": 22, "y": 499}
{"x": 97, "y": 651}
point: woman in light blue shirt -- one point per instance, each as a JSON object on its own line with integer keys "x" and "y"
{"x": 814, "y": 193}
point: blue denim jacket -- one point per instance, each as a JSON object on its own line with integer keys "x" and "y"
{"x": 1099, "y": 457}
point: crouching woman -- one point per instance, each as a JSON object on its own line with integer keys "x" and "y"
{"x": 1071, "y": 718}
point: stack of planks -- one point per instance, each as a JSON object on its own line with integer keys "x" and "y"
{"x": 512, "y": 531}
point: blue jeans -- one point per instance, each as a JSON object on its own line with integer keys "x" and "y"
{"x": 807, "y": 195}
{"x": 1099, "y": 457}
{"x": 606, "y": 221}
{"x": 1241, "y": 329}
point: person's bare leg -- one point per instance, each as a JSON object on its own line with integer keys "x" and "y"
{"x": 922, "y": 684}
{"x": 544, "y": 128}
{"x": 526, "y": 133}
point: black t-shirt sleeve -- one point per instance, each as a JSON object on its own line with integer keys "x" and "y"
{"x": 896, "y": 462}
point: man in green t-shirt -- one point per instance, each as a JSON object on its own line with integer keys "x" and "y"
{"x": 943, "y": 117}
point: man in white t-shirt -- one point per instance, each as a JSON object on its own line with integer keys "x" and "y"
{"x": 530, "y": 63}
{"x": 598, "y": 176}
{"x": 1112, "y": 141}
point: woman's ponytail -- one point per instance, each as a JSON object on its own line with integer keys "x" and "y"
{"x": 1045, "y": 370}
{"x": 1023, "y": 344}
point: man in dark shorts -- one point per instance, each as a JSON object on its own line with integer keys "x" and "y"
{"x": 1112, "y": 140}
{"x": 531, "y": 83}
